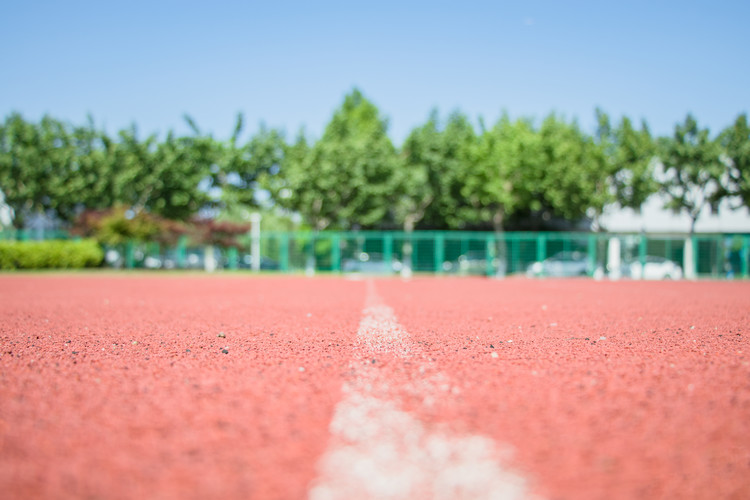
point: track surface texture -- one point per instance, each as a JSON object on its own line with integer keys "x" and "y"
{"x": 174, "y": 386}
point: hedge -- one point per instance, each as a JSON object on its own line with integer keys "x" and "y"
{"x": 50, "y": 254}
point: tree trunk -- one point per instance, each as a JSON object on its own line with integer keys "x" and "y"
{"x": 407, "y": 249}
{"x": 688, "y": 263}
{"x": 498, "y": 220}
{"x": 310, "y": 264}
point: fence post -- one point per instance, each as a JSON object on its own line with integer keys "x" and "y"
{"x": 515, "y": 248}
{"x": 129, "y": 255}
{"x": 642, "y": 252}
{"x": 592, "y": 254}
{"x": 690, "y": 258}
{"x": 181, "y": 251}
{"x": 284, "y": 252}
{"x": 745, "y": 254}
{"x": 696, "y": 261}
{"x": 154, "y": 250}
{"x": 232, "y": 258}
{"x": 439, "y": 252}
{"x": 541, "y": 247}
{"x": 613, "y": 258}
{"x": 668, "y": 249}
{"x": 407, "y": 268}
{"x": 388, "y": 248}
{"x": 255, "y": 220}
{"x": 489, "y": 251}
{"x": 310, "y": 261}
{"x": 336, "y": 252}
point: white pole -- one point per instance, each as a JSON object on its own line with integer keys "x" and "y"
{"x": 209, "y": 259}
{"x": 613, "y": 258}
{"x": 255, "y": 218}
{"x": 688, "y": 263}
{"x": 406, "y": 270}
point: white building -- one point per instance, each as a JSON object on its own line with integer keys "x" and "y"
{"x": 655, "y": 219}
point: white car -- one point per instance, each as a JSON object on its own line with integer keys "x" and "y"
{"x": 656, "y": 268}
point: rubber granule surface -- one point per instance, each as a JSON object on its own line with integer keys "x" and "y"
{"x": 174, "y": 386}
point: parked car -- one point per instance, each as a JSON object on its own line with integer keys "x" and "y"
{"x": 562, "y": 264}
{"x": 474, "y": 262}
{"x": 370, "y": 263}
{"x": 656, "y": 268}
{"x": 266, "y": 264}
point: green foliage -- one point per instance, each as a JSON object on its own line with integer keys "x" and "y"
{"x": 346, "y": 178}
{"x": 52, "y": 254}
{"x": 89, "y": 179}
{"x": 437, "y": 163}
{"x": 573, "y": 180}
{"x": 31, "y": 161}
{"x": 634, "y": 160}
{"x": 52, "y": 167}
{"x": 162, "y": 177}
{"x": 243, "y": 167}
{"x": 509, "y": 156}
{"x": 446, "y": 175}
{"x": 556, "y": 170}
{"x": 272, "y": 219}
{"x": 417, "y": 178}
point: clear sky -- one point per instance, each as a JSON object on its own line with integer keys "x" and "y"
{"x": 290, "y": 64}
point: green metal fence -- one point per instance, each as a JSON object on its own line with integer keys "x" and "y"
{"x": 482, "y": 253}
{"x": 33, "y": 234}
{"x": 452, "y": 253}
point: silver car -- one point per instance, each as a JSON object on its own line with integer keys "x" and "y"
{"x": 563, "y": 264}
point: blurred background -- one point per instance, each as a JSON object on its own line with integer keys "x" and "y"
{"x": 492, "y": 138}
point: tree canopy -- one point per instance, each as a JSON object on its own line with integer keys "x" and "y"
{"x": 447, "y": 174}
{"x": 735, "y": 142}
{"x": 346, "y": 178}
{"x": 693, "y": 170}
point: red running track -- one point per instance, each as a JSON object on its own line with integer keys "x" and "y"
{"x": 119, "y": 387}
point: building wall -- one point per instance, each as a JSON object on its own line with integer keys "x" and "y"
{"x": 655, "y": 219}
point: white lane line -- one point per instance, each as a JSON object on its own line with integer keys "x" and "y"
{"x": 379, "y": 451}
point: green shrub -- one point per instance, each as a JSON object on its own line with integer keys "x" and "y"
{"x": 52, "y": 254}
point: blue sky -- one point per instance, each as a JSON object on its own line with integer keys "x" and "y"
{"x": 290, "y": 64}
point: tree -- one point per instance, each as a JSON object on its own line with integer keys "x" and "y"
{"x": 418, "y": 176}
{"x": 458, "y": 164}
{"x": 505, "y": 156}
{"x": 692, "y": 169}
{"x": 242, "y": 169}
{"x": 88, "y": 180}
{"x": 735, "y": 141}
{"x": 163, "y": 177}
{"x": 436, "y": 164}
{"x": 631, "y": 155}
{"x": 31, "y": 160}
{"x": 634, "y": 160}
{"x": 345, "y": 180}
{"x": 573, "y": 180}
